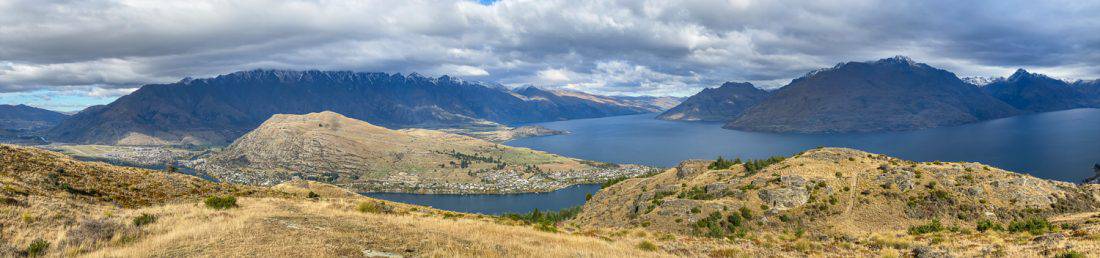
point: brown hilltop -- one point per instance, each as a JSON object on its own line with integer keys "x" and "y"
{"x": 836, "y": 194}
{"x": 329, "y": 147}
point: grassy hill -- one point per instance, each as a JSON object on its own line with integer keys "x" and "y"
{"x": 834, "y": 196}
{"x": 332, "y": 148}
{"x": 100, "y": 210}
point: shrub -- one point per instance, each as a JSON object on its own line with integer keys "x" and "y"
{"x": 696, "y": 193}
{"x": 613, "y": 182}
{"x": 221, "y": 202}
{"x": 932, "y": 226}
{"x": 695, "y": 210}
{"x": 986, "y": 225}
{"x": 144, "y": 219}
{"x": 1070, "y": 254}
{"x": 313, "y": 195}
{"x": 734, "y": 220}
{"x": 551, "y": 217}
{"x": 1035, "y": 225}
{"x": 37, "y": 247}
{"x": 752, "y": 166}
{"x": 722, "y": 163}
{"x": 546, "y": 227}
{"x": 374, "y": 207}
{"x": 648, "y": 246}
{"x": 746, "y": 213}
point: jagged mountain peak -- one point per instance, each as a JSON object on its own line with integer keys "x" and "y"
{"x": 1022, "y": 74}
{"x": 898, "y": 59}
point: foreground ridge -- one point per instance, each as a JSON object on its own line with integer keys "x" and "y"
{"x": 689, "y": 211}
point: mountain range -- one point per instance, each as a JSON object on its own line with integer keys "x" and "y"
{"x": 28, "y": 118}
{"x": 717, "y": 105}
{"x": 215, "y": 111}
{"x": 1037, "y": 93}
{"x": 892, "y": 94}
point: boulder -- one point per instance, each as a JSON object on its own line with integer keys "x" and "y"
{"x": 785, "y": 198}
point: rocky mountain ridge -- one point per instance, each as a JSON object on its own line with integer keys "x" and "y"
{"x": 1037, "y": 93}
{"x": 892, "y": 94}
{"x": 215, "y": 111}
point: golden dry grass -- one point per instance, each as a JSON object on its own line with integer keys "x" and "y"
{"x": 272, "y": 227}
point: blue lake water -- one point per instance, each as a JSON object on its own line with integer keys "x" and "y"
{"x": 1061, "y": 145}
{"x": 1057, "y": 145}
{"x": 497, "y": 204}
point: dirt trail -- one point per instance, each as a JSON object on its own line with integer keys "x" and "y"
{"x": 851, "y": 194}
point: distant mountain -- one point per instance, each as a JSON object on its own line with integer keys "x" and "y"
{"x": 653, "y": 103}
{"x": 27, "y": 118}
{"x": 332, "y": 148}
{"x": 1090, "y": 89}
{"x": 720, "y": 104}
{"x": 886, "y": 95}
{"x": 218, "y": 110}
{"x": 1037, "y": 93}
{"x": 982, "y": 81}
{"x": 565, "y": 104}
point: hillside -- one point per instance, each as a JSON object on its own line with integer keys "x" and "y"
{"x": 1037, "y": 93}
{"x": 215, "y": 111}
{"x": 891, "y": 94}
{"x": 160, "y": 214}
{"x": 27, "y": 118}
{"x": 28, "y": 171}
{"x": 111, "y": 211}
{"x": 721, "y": 104}
{"x": 836, "y": 194}
{"x": 331, "y": 148}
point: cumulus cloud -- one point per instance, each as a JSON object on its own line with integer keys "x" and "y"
{"x": 629, "y": 47}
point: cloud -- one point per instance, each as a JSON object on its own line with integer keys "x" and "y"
{"x": 627, "y": 47}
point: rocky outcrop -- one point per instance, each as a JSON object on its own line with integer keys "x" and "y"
{"x": 834, "y": 190}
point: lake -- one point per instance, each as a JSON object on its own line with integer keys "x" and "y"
{"x": 1056, "y": 145}
{"x": 1061, "y": 145}
{"x": 496, "y": 204}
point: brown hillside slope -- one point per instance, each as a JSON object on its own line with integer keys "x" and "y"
{"x": 332, "y": 148}
{"x": 280, "y": 221}
{"x": 840, "y": 194}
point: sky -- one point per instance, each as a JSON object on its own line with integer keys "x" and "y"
{"x": 66, "y": 55}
